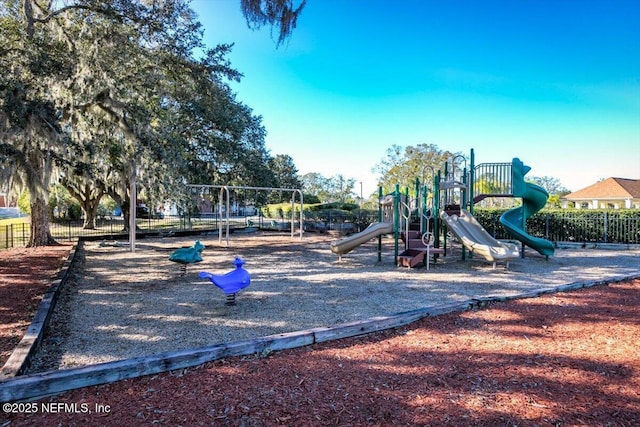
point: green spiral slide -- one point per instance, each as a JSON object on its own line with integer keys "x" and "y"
{"x": 534, "y": 198}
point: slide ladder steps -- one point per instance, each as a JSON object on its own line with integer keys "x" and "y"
{"x": 416, "y": 251}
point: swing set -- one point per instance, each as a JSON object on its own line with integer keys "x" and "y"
{"x": 225, "y": 209}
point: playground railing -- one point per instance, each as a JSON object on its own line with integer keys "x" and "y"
{"x": 493, "y": 179}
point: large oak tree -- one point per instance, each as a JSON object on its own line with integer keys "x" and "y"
{"x": 94, "y": 92}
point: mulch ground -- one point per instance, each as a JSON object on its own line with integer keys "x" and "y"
{"x": 25, "y": 275}
{"x": 564, "y": 359}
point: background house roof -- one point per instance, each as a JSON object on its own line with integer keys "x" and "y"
{"x": 610, "y": 188}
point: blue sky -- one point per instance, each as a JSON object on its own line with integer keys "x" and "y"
{"x": 555, "y": 83}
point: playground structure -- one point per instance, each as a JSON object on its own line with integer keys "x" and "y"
{"x": 416, "y": 222}
{"x": 420, "y": 225}
{"x": 409, "y": 219}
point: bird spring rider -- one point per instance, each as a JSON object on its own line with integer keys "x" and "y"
{"x": 186, "y": 256}
{"x": 231, "y": 282}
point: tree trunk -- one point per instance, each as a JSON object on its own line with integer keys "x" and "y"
{"x": 89, "y": 219}
{"x": 126, "y": 214}
{"x": 89, "y": 199}
{"x": 90, "y": 209}
{"x": 40, "y": 235}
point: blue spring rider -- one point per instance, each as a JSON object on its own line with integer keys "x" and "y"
{"x": 186, "y": 256}
{"x": 231, "y": 282}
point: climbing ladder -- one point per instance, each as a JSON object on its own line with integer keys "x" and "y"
{"x": 417, "y": 220}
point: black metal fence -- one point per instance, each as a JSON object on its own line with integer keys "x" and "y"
{"x": 14, "y": 235}
{"x": 584, "y": 226}
{"x": 109, "y": 228}
{"x": 113, "y": 228}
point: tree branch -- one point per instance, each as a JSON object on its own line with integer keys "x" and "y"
{"x": 106, "y": 104}
{"x": 48, "y": 15}
{"x": 278, "y": 13}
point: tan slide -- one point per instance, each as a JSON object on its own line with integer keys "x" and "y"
{"x": 475, "y": 238}
{"x": 347, "y": 244}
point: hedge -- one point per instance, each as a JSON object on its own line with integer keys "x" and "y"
{"x": 562, "y": 225}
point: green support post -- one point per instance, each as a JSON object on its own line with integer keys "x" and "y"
{"x": 418, "y": 197}
{"x": 472, "y": 179}
{"x": 379, "y": 220}
{"x": 436, "y": 210}
{"x": 424, "y": 225}
{"x": 463, "y": 205}
{"x": 396, "y": 223}
{"x": 464, "y": 197}
{"x": 409, "y": 213}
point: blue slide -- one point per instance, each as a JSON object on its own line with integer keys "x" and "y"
{"x": 534, "y": 198}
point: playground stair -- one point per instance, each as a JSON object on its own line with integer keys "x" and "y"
{"x": 416, "y": 251}
{"x": 411, "y": 258}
